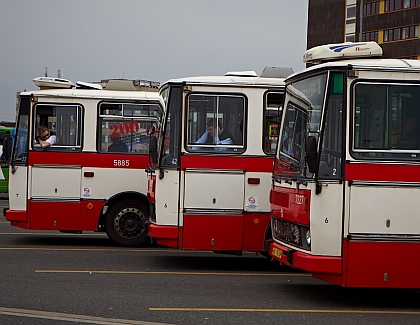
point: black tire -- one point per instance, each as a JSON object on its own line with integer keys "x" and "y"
{"x": 125, "y": 223}
{"x": 267, "y": 238}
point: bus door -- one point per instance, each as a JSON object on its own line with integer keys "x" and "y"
{"x": 55, "y": 171}
{"x": 329, "y": 178}
{"x": 166, "y": 182}
{"x": 214, "y": 172}
{"x": 313, "y": 122}
{"x": 18, "y": 169}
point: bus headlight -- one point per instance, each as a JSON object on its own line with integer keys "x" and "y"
{"x": 308, "y": 238}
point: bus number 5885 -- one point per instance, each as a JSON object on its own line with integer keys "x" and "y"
{"x": 121, "y": 163}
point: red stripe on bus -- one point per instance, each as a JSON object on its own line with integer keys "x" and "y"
{"x": 383, "y": 172}
{"x": 89, "y": 159}
{"x": 249, "y": 164}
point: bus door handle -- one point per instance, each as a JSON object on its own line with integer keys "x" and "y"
{"x": 88, "y": 174}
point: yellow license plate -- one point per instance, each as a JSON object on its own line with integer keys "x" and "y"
{"x": 276, "y": 252}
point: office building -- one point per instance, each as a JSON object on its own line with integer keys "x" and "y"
{"x": 394, "y": 24}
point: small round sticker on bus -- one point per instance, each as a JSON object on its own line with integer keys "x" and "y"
{"x": 87, "y": 192}
{"x": 252, "y": 202}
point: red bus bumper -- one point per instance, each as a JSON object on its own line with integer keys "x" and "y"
{"x": 320, "y": 266}
{"x": 365, "y": 264}
{"x": 17, "y": 218}
{"x": 163, "y": 235}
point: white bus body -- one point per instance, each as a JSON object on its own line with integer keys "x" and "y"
{"x": 345, "y": 197}
{"x": 213, "y": 195}
{"x": 91, "y": 179}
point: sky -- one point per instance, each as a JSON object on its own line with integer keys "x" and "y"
{"x": 157, "y": 40}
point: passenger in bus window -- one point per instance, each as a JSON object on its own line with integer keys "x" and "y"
{"x": 287, "y": 145}
{"x": 45, "y": 138}
{"x": 222, "y": 136}
{"x": 410, "y": 134}
{"x": 117, "y": 145}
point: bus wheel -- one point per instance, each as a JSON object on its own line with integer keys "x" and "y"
{"x": 125, "y": 223}
{"x": 268, "y": 237}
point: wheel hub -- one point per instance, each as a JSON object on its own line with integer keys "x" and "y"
{"x": 128, "y": 223}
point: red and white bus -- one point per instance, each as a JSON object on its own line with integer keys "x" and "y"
{"x": 90, "y": 179}
{"x": 346, "y": 181}
{"x": 210, "y": 188}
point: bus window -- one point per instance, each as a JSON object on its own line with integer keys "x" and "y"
{"x": 272, "y": 112}
{"x": 293, "y": 135}
{"x": 125, "y": 127}
{"x": 63, "y": 121}
{"x": 20, "y": 151}
{"x": 330, "y": 158}
{"x": 386, "y": 121}
{"x": 215, "y": 123}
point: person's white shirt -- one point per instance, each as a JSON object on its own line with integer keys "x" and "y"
{"x": 51, "y": 140}
{"x": 48, "y": 142}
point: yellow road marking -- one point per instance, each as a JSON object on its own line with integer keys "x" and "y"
{"x": 85, "y": 249}
{"x": 175, "y": 273}
{"x": 267, "y": 310}
{"x": 113, "y": 249}
{"x": 54, "y": 232}
{"x": 71, "y": 317}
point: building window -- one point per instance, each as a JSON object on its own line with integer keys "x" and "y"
{"x": 392, "y": 5}
{"x": 351, "y": 12}
{"x": 350, "y": 20}
{"x": 401, "y": 33}
{"x": 350, "y": 37}
{"x": 371, "y": 8}
{"x": 370, "y": 36}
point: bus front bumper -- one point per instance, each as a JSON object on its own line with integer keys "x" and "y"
{"x": 163, "y": 235}
{"x": 305, "y": 261}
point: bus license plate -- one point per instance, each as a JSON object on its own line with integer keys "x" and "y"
{"x": 277, "y": 252}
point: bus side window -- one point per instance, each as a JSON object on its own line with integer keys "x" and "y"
{"x": 215, "y": 123}
{"x": 272, "y": 116}
{"x": 126, "y": 127}
{"x": 63, "y": 122}
{"x": 387, "y": 121}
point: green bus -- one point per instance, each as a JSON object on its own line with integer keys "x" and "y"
{"x": 6, "y": 138}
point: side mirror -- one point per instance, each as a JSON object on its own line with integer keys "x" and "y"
{"x": 311, "y": 154}
{"x": 7, "y": 148}
{"x": 153, "y": 149}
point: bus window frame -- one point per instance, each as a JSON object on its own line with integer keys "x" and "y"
{"x": 57, "y": 147}
{"x": 174, "y": 102}
{"x": 392, "y": 154}
{"x": 279, "y": 110}
{"x": 224, "y": 149}
{"x": 288, "y": 166}
{"x": 153, "y": 120}
{"x": 337, "y": 172}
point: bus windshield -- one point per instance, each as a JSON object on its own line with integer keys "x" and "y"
{"x": 169, "y": 137}
{"x": 20, "y": 149}
{"x": 301, "y": 118}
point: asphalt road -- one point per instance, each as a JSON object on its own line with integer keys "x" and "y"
{"x": 53, "y": 278}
